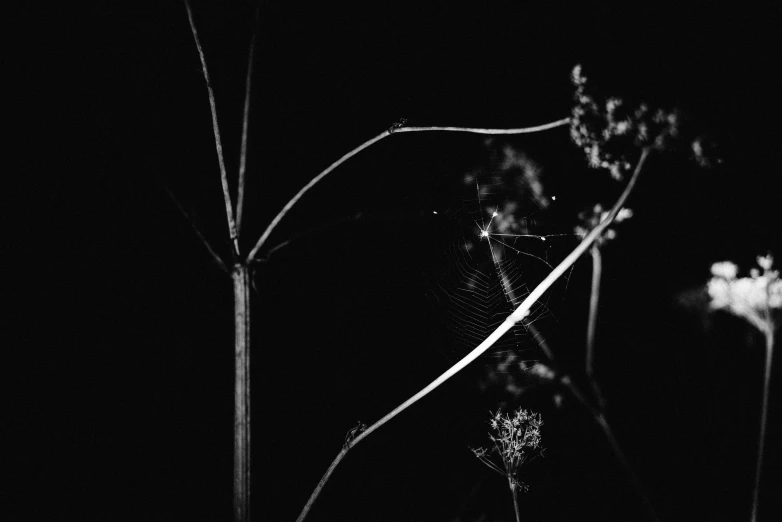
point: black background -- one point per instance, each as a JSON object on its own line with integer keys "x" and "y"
{"x": 120, "y": 354}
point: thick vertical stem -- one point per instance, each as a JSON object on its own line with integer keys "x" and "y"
{"x": 241, "y": 282}
{"x": 763, "y": 419}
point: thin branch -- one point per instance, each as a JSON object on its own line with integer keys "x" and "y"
{"x": 517, "y": 315}
{"x": 218, "y": 142}
{"x": 369, "y": 143}
{"x": 245, "y": 124}
{"x": 323, "y": 480}
{"x": 216, "y": 258}
{"x": 598, "y": 416}
{"x": 476, "y": 130}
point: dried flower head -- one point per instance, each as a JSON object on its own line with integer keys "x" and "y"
{"x": 516, "y": 440}
{"x": 753, "y": 298}
{"x": 608, "y": 131}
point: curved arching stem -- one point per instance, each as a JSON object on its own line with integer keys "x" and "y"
{"x": 393, "y": 130}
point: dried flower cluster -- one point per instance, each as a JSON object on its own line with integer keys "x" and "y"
{"x": 590, "y": 218}
{"x": 607, "y": 132}
{"x": 753, "y": 298}
{"x": 516, "y": 439}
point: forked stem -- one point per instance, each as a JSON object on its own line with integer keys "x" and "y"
{"x": 510, "y": 321}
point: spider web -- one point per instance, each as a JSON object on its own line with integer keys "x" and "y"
{"x": 499, "y": 242}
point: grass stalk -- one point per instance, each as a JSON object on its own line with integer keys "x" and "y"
{"x": 242, "y": 413}
{"x": 245, "y": 126}
{"x": 216, "y": 129}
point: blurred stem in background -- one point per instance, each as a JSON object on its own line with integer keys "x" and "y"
{"x": 598, "y": 415}
{"x": 755, "y": 299}
{"x": 594, "y": 300}
{"x": 763, "y": 419}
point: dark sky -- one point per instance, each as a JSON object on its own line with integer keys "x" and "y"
{"x": 121, "y": 334}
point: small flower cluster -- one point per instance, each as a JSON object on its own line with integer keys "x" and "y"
{"x": 752, "y": 298}
{"x": 516, "y": 439}
{"x": 606, "y": 131}
{"x": 592, "y": 217}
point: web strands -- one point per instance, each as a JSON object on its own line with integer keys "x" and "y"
{"x": 495, "y": 248}
{"x": 473, "y": 299}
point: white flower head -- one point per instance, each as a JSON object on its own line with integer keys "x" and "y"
{"x": 765, "y": 262}
{"x": 752, "y": 298}
{"x": 724, "y": 269}
{"x": 624, "y": 213}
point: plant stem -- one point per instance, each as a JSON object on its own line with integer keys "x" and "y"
{"x": 241, "y": 501}
{"x": 216, "y": 129}
{"x": 281, "y": 214}
{"x": 598, "y": 416}
{"x": 763, "y": 418}
{"x": 514, "y": 494}
{"x": 323, "y": 480}
{"x": 245, "y": 125}
{"x": 594, "y": 300}
{"x": 510, "y": 321}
